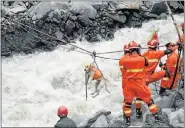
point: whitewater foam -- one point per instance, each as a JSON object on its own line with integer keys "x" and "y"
{"x": 35, "y": 85}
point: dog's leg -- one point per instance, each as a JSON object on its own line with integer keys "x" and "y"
{"x": 96, "y": 86}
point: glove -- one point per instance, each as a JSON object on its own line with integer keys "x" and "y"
{"x": 160, "y": 64}
{"x": 179, "y": 46}
{"x": 167, "y": 73}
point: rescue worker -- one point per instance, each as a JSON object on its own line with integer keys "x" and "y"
{"x": 135, "y": 82}
{"x": 64, "y": 120}
{"x": 126, "y": 55}
{"x": 171, "y": 65}
{"x": 153, "y": 56}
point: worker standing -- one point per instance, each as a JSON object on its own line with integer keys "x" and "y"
{"x": 135, "y": 82}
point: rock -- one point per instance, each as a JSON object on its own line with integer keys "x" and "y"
{"x": 73, "y": 18}
{"x": 116, "y": 123}
{"x": 78, "y": 118}
{"x": 100, "y": 7}
{"x": 18, "y": 9}
{"x": 162, "y": 16}
{"x": 135, "y": 14}
{"x": 83, "y": 9}
{"x": 6, "y": 11}
{"x": 159, "y": 8}
{"x": 84, "y": 20}
{"x": 149, "y": 15}
{"x": 177, "y": 118}
{"x": 109, "y": 118}
{"x": 151, "y": 121}
{"x": 121, "y": 19}
{"x": 70, "y": 25}
{"x": 148, "y": 4}
{"x": 40, "y": 12}
{"x": 100, "y": 122}
{"x": 59, "y": 35}
{"x": 166, "y": 101}
{"x": 6, "y": 53}
{"x": 2, "y": 19}
{"x": 128, "y": 6}
{"x": 174, "y": 4}
{"x": 93, "y": 118}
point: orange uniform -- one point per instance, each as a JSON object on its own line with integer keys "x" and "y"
{"x": 153, "y": 60}
{"x": 171, "y": 65}
{"x": 97, "y": 73}
{"x": 135, "y": 84}
{"x": 123, "y": 71}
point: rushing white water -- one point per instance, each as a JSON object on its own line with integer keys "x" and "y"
{"x": 34, "y": 86}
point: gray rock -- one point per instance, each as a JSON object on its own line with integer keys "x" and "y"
{"x": 93, "y": 118}
{"x": 159, "y": 8}
{"x": 117, "y": 123}
{"x": 109, "y": 118}
{"x": 73, "y": 18}
{"x": 84, "y": 20}
{"x": 162, "y": 16}
{"x": 84, "y": 9}
{"x": 78, "y": 118}
{"x": 40, "y": 12}
{"x": 100, "y": 122}
{"x": 135, "y": 14}
{"x": 149, "y": 15}
{"x": 70, "y": 25}
{"x": 148, "y": 4}
{"x": 174, "y": 4}
{"x": 100, "y": 7}
{"x": 177, "y": 118}
{"x": 59, "y": 35}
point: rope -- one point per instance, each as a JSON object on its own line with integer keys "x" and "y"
{"x": 94, "y": 59}
{"x": 49, "y": 42}
{"x": 45, "y": 34}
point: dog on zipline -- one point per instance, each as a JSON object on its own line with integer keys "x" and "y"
{"x": 92, "y": 73}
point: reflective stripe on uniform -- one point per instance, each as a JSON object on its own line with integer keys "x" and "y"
{"x": 165, "y": 78}
{"x": 153, "y": 60}
{"x": 174, "y": 65}
{"x": 138, "y": 101}
{"x": 121, "y": 66}
{"x": 152, "y": 106}
{"x": 127, "y": 112}
{"x": 134, "y": 70}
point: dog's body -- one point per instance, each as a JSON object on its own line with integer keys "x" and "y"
{"x": 89, "y": 74}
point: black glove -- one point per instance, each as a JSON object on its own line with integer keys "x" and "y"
{"x": 179, "y": 46}
{"x": 168, "y": 51}
{"x": 160, "y": 64}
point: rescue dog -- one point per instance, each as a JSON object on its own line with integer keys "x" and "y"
{"x": 89, "y": 76}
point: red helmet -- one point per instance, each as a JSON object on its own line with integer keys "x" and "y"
{"x": 182, "y": 25}
{"x": 62, "y": 111}
{"x": 152, "y": 43}
{"x": 126, "y": 48}
{"x": 133, "y": 44}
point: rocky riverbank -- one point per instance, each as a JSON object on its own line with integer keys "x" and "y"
{"x": 70, "y": 21}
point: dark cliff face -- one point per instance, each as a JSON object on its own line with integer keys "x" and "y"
{"x": 68, "y": 21}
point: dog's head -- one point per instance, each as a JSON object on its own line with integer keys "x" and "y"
{"x": 88, "y": 67}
